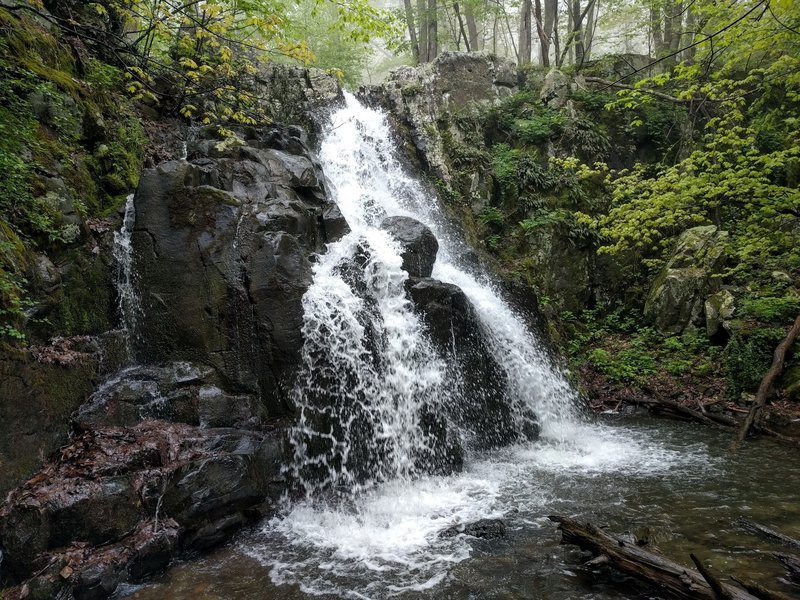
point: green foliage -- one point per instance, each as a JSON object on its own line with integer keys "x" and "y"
{"x": 491, "y": 215}
{"x": 539, "y": 127}
{"x": 768, "y": 309}
{"x": 747, "y": 358}
{"x": 631, "y": 364}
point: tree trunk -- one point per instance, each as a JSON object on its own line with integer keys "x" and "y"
{"x": 550, "y": 24}
{"x": 433, "y": 34}
{"x": 472, "y": 26}
{"x": 525, "y": 33}
{"x": 422, "y": 11}
{"x": 633, "y": 560}
{"x": 589, "y": 29}
{"x": 766, "y": 383}
{"x": 461, "y": 28}
{"x": 412, "y": 32}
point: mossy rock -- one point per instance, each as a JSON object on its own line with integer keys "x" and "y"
{"x": 37, "y": 401}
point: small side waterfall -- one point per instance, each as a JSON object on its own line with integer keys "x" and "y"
{"x": 128, "y": 304}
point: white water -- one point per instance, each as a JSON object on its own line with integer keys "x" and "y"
{"x": 383, "y": 538}
{"x": 128, "y": 305}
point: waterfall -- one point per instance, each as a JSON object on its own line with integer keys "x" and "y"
{"x": 128, "y": 305}
{"x": 371, "y": 381}
{"x": 374, "y": 519}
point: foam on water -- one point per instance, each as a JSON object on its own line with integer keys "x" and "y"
{"x": 387, "y": 540}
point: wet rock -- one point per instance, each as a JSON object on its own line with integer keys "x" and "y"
{"x": 676, "y": 302}
{"x": 118, "y": 503}
{"x": 418, "y": 244}
{"x": 454, "y": 327}
{"x": 489, "y": 529}
{"x": 222, "y": 244}
{"x": 335, "y": 224}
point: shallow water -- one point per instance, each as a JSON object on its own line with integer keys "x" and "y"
{"x": 678, "y": 480}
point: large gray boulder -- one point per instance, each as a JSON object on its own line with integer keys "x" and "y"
{"x": 222, "y": 248}
{"x": 676, "y": 302}
{"x": 422, "y": 99}
{"x": 419, "y": 245}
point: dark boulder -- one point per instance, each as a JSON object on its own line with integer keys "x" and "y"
{"x": 488, "y": 529}
{"x": 119, "y": 502}
{"x": 453, "y": 325}
{"x": 418, "y": 244}
{"x": 222, "y": 244}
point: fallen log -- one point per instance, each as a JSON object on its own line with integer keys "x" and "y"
{"x": 644, "y": 565}
{"x": 767, "y": 532}
{"x": 778, "y": 359}
{"x": 792, "y": 564}
{"x": 707, "y": 418}
{"x": 759, "y": 591}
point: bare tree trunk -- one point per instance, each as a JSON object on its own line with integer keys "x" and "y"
{"x": 589, "y": 29}
{"x": 556, "y": 41}
{"x": 525, "y": 33}
{"x": 461, "y": 29}
{"x": 422, "y": 12}
{"x": 472, "y": 26}
{"x": 412, "y": 32}
{"x": 433, "y": 34}
{"x": 511, "y": 36}
{"x": 766, "y": 384}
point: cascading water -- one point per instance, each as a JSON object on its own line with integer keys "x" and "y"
{"x": 128, "y": 305}
{"x": 371, "y": 384}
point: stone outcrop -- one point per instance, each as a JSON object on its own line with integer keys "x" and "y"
{"x": 40, "y": 388}
{"x": 419, "y": 245}
{"x": 119, "y": 502}
{"x": 421, "y": 99}
{"x": 223, "y": 245}
{"x": 677, "y": 298}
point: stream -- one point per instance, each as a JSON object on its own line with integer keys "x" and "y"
{"x": 630, "y": 473}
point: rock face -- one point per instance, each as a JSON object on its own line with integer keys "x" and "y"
{"x": 40, "y": 388}
{"x": 719, "y": 309}
{"x": 147, "y": 476}
{"x": 419, "y": 245}
{"x": 420, "y": 99}
{"x": 676, "y": 302}
{"x": 222, "y": 246}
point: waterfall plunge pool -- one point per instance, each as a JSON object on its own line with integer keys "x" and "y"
{"x": 628, "y": 473}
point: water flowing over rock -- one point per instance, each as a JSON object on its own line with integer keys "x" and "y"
{"x": 223, "y": 246}
{"x": 401, "y": 373}
{"x": 676, "y": 302}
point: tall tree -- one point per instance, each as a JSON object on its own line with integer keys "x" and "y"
{"x": 525, "y": 32}
{"x": 422, "y": 14}
{"x": 433, "y": 34}
{"x": 412, "y": 30}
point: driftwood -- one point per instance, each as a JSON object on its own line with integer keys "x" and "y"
{"x": 707, "y": 418}
{"x": 792, "y": 564}
{"x": 649, "y": 567}
{"x": 778, "y": 359}
{"x": 767, "y": 532}
{"x": 759, "y": 591}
